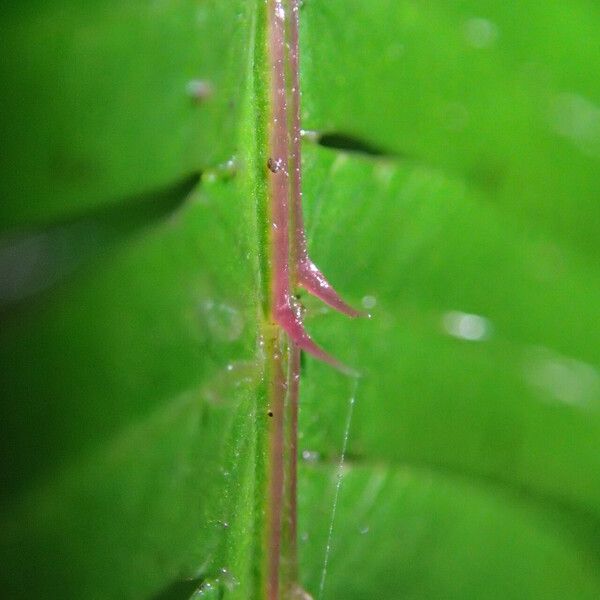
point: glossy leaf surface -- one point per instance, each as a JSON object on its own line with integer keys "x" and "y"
{"x": 453, "y": 194}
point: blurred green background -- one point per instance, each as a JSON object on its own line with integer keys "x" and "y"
{"x": 453, "y": 191}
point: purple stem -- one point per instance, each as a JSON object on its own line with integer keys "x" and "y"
{"x": 284, "y": 314}
{"x": 284, "y": 140}
{"x": 308, "y": 274}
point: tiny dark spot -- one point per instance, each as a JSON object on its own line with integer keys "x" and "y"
{"x": 270, "y": 413}
{"x": 274, "y": 165}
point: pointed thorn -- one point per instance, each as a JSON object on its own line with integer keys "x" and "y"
{"x": 315, "y": 283}
{"x": 292, "y": 325}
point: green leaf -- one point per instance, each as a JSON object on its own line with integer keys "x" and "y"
{"x": 97, "y": 106}
{"x": 129, "y": 332}
{"x": 456, "y": 200}
{"x": 470, "y": 384}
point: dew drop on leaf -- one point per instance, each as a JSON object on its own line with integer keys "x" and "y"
{"x": 225, "y": 323}
{"x": 199, "y": 89}
{"x": 221, "y": 389}
{"x": 369, "y": 302}
{"x": 310, "y": 456}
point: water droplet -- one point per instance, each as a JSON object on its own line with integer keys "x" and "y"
{"x": 480, "y": 33}
{"x": 309, "y": 135}
{"x": 230, "y": 166}
{"x": 563, "y": 379}
{"x": 210, "y": 589}
{"x": 369, "y": 302}
{"x": 227, "y": 579}
{"x": 310, "y": 456}
{"x": 298, "y": 593}
{"x": 224, "y": 322}
{"x": 221, "y": 389}
{"x": 279, "y": 11}
{"x": 577, "y": 119}
{"x": 465, "y": 326}
{"x": 209, "y": 176}
{"x": 199, "y": 89}
{"x": 222, "y": 172}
